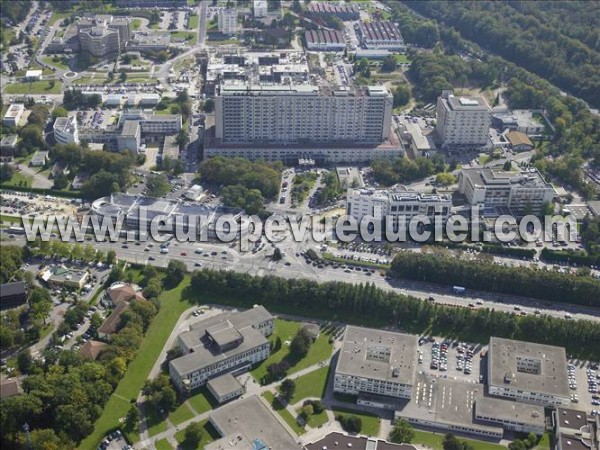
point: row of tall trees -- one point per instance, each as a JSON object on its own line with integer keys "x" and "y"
{"x": 367, "y": 305}
{"x": 549, "y": 285}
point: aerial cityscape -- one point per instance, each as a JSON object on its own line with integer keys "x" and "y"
{"x": 299, "y": 225}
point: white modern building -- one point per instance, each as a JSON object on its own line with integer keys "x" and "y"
{"x": 261, "y": 8}
{"x": 13, "y": 115}
{"x": 463, "y": 123}
{"x": 396, "y": 203}
{"x": 376, "y": 362}
{"x": 226, "y": 343}
{"x": 65, "y": 130}
{"x": 512, "y": 416}
{"x": 227, "y": 21}
{"x": 33, "y": 75}
{"x": 300, "y": 121}
{"x": 102, "y": 35}
{"x": 528, "y": 372}
{"x": 523, "y": 192}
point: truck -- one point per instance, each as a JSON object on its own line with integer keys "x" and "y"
{"x": 459, "y": 289}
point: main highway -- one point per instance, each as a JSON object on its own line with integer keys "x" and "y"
{"x": 220, "y": 256}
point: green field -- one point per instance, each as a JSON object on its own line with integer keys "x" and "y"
{"x": 544, "y": 443}
{"x": 181, "y": 414}
{"x": 193, "y": 23}
{"x": 34, "y": 87}
{"x": 434, "y": 441}
{"x": 284, "y": 413}
{"x": 201, "y": 401}
{"x": 58, "y": 64}
{"x": 56, "y": 16}
{"x": 155, "y": 423}
{"x": 316, "y": 420}
{"x": 370, "y": 422}
{"x": 136, "y": 24}
{"x": 286, "y": 330}
{"x": 209, "y": 434}
{"x": 172, "y": 306}
{"x": 311, "y": 385}
{"x": 11, "y": 219}
{"x": 18, "y": 179}
{"x": 163, "y": 444}
{"x": 188, "y": 36}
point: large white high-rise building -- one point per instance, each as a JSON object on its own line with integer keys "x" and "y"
{"x": 269, "y": 121}
{"x": 227, "y": 21}
{"x": 395, "y": 204}
{"x": 463, "y": 123}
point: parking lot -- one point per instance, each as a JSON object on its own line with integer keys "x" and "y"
{"x": 27, "y": 204}
{"x": 452, "y": 359}
{"x": 583, "y": 382}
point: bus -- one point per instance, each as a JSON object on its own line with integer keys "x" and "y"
{"x": 459, "y": 289}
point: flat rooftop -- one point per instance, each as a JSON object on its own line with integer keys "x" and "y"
{"x": 446, "y": 402}
{"x": 467, "y": 103}
{"x": 252, "y": 418}
{"x": 571, "y": 418}
{"x": 339, "y": 440}
{"x": 508, "y": 410}
{"x": 378, "y": 354}
{"x": 224, "y": 385}
{"x": 507, "y": 357}
{"x": 490, "y": 177}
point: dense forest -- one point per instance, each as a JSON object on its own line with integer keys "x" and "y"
{"x": 529, "y": 40}
{"x": 440, "y": 267}
{"x": 365, "y": 304}
{"x": 15, "y": 10}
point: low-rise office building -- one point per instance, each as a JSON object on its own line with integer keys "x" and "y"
{"x": 519, "y": 142}
{"x": 513, "y": 416}
{"x": 528, "y": 372}
{"x": 225, "y": 387}
{"x": 376, "y": 362}
{"x": 250, "y": 424}
{"x": 396, "y": 204}
{"x": 64, "y": 276}
{"x": 226, "y": 343}
{"x": 39, "y": 159}
{"x": 65, "y": 130}
{"x": 345, "y": 11}
{"x": 524, "y": 192}
{"x": 8, "y": 145}
{"x": 33, "y": 75}
{"x": 575, "y": 430}
{"x": 13, "y": 115}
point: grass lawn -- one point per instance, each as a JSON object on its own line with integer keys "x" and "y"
{"x": 181, "y": 414}
{"x": 209, "y": 434}
{"x": 286, "y": 330}
{"x": 370, "y": 422}
{"x": 155, "y": 423}
{"x": 284, "y": 413}
{"x": 56, "y": 16}
{"x": 18, "y": 179}
{"x": 311, "y": 385}
{"x": 34, "y": 87}
{"x": 193, "y": 22}
{"x": 316, "y": 420}
{"x": 136, "y": 24}
{"x": 202, "y": 401}
{"x": 544, "y": 443}
{"x": 163, "y": 444}
{"x": 11, "y": 219}
{"x": 154, "y": 26}
{"x": 173, "y": 305}
{"x": 189, "y": 36}
{"x": 58, "y": 64}
{"x": 401, "y": 59}
{"x": 434, "y": 441}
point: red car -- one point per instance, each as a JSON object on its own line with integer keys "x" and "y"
{"x": 183, "y": 254}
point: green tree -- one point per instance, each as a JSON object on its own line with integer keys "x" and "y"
{"x": 123, "y": 76}
{"x": 287, "y": 388}
{"x": 402, "y": 432}
{"x": 157, "y": 185}
{"x": 445, "y": 179}
{"x": 389, "y": 64}
{"x": 133, "y": 418}
{"x": 193, "y": 435}
{"x": 153, "y": 288}
{"x": 175, "y": 273}
{"x": 24, "y": 361}
{"x": 111, "y": 257}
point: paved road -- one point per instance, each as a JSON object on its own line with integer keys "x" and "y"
{"x": 260, "y": 264}
{"x": 39, "y": 181}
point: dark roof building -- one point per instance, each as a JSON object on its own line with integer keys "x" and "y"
{"x": 13, "y": 294}
{"x": 326, "y": 40}
{"x": 340, "y": 440}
